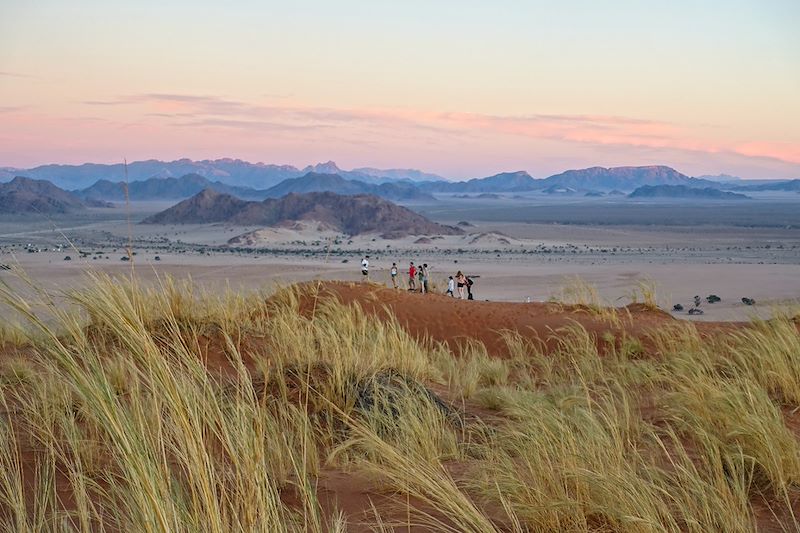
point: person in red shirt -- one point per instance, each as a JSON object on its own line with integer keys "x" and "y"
{"x": 412, "y": 275}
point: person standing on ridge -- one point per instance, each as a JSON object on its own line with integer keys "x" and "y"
{"x": 425, "y": 278}
{"x": 469, "y": 288}
{"x": 461, "y": 281}
{"x": 451, "y": 285}
{"x": 365, "y": 268}
{"x": 420, "y": 274}
{"x": 412, "y": 277}
{"x": 393, "y": 272}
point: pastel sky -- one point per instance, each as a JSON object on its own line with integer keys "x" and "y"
{"x": 462, "y": 88}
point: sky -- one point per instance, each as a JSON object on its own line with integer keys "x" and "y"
{"x": 460, "y": 88}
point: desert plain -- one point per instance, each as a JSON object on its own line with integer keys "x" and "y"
{"x": 517, "y": 249}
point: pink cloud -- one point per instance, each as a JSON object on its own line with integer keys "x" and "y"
{"x": 777, "y": 150}
{"x": 176, "y": 125}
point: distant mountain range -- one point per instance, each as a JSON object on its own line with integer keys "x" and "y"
{"x": 504, "y": 182}
{"x": 683, "y": 191}
{"x": 162, "y": 189}
{"x": 719, "y": 177}
{"x": 402, "y": 191}
{"x": 790, "y": 185}
{"x": 596, "y": 179}
{"x": 191, "y": 184}
{"x": 233, "y": 172}
{"x": 353, "y": 215}
{"x": 397, "y": 174}
{"x": 395, "y": 185}
{"x": 621, "y": 178}
{"x": 24, "y": 196}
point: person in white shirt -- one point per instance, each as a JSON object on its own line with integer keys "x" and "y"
{"x": 365, "y": 267}
{"x": 393, "y": 272}
{"x": 451, "y": 286}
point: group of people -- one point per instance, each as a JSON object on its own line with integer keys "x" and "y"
{"x": 415, "y": 273}
{"x": 419, "y": 277}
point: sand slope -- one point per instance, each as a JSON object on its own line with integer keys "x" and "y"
{"x": 438, "y": 318}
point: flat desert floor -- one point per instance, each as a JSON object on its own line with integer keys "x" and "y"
{"x": 513, "y": 260}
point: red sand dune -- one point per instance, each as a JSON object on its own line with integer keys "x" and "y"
{"x": 435, "y": 318}
{"x": 444, "y": 319}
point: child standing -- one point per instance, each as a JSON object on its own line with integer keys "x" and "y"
{"x": 451, "y": 285}
{"x": 365, "y": 268}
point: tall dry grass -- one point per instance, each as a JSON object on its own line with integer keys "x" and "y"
{"x": 174, "y": 409}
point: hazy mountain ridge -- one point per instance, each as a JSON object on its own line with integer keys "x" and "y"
{"x": 588, "y": 179}
{"x": 24, "y": 195}
{"x": 320, "y": 182}
{"x": 251, "y": 180}
{"x": 373, "y": 175}
{"x": 163, "y": 189}
{"x": 721, "y": 178}
{"x": 789, "y": 185}
{"x": 504, "y": 182}
{"x": 191, "y": 184}
{"x": 400, "y": 174}
{"x": 353, "y": 215}
{"x": 684, "y": 191}
{"x": 622, "y": 178}
{"x": 234, "y": 172}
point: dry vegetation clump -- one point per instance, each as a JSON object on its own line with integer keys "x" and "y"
{"x": 579, "y": 296}
{"x": 12, "y": 334}
{"x": 170, "y": 409}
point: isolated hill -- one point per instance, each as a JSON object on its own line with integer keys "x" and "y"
{"x": 352, "y": 215}
{"x": 557, "y": 188}
{"x": 621, "y": 178}
{"x": 316, "y": 182}
{"x": 503, "y": 182}
{"x": 163, "y": 189}
{"x": 104, "y": 189}
{"x": 25, "y": 195}
{"x": 207, "y": 206}
{"x": 683, "y": 191}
